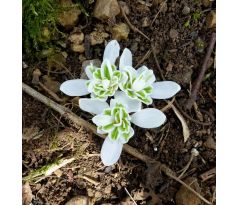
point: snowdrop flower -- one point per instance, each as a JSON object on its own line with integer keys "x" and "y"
{"x": 140, "y": 84}
{"x": 115, "y": 121}
{"x": 103, "y": 81}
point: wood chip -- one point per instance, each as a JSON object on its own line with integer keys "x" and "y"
{"x": 26, "y": 194}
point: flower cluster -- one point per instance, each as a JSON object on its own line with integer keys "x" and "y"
{"x": 137, "y": 87}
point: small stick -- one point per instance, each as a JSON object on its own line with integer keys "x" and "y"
{"x": 146, "y": 56}
{"x": 89, "y": 179}
{"x": 208, "y": 174}
{"x": 160, "y": 8}
{"x": 157, "y": 62}
{"x": 130, "y": 196}
{"x": 132, "y": 26}
{"x": 199, "y": 79}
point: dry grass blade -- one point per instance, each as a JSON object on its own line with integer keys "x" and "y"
{"x": 186, "y": 132}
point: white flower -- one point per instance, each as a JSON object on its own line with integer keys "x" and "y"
{"x": 140, "y": 84}
{"x": 115, "y": 121}
{"x": 103, "y": 81}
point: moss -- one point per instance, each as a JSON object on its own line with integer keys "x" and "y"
{"x": 40, "y": 25}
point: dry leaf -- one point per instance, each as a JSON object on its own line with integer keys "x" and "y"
{"x": 186, "y": 132}
{"x": 26, "y": 194}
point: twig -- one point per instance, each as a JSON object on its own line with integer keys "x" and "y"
{"x": 199, "y": 79}
{"x": 160, "y": 8}
{"x": 157, "y": 62}
{"x": 132, "y": 26}
{"x": 194, "y": 153}
{"x": 50, "y": 92}
{"x": 208, "y": 174}
{"x": 89, "y": 179}
{"x": 69, "y": 115}
{"x": 130, "y": 196}
{"x": 168, "y": 106}
{"x": 146, "y": 56}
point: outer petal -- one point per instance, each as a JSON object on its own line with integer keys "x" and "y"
{"x": 111, "y": 51}
{"x": 89, "y": 71}
{"x": 101, "y": 120}
{"x": 165, "y": 89}
{"x": 126, "y": 58}
{"x": 76, "y": 87}
{"x": 94, "y": 106}
{"x": 111, "y": 151}
{"x": 148, "y": 118}
{"x": 132, "y": 105}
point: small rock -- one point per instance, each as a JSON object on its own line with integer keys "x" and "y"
{"x": 124, "y": 7}
{"x": 106, "y": 9}
{"x": 76, "y": 38}
{"x": 206, "y": 3}
{"x": 36, "y": 76}
{"x": 211, "y": 19}
{"x": 98, "y": 194}
{"x": 68, "y": 19}
{"x": 90, "y": 192}
{"x": 134, "y": 47}
{"x": 108, "y": 189}
{"x": 185, "y": 196}
{"x": 173, "y": 33}
{"x": 142, "y": 8}
{"x": 210, "y": 143}
{"x": 98, "y": 37}
{"x": 200, "y": 45}
{"x": 145, "y": 21}
{"x": 157, "y": 2}
{"x": 186, "y": 10}
{"x": 120, "y": 31}
{"x": 169, "y": 67}
{"x": 77, "y": 48}
{"x": 79, "y": 200}
{"x": 26, "y": 194}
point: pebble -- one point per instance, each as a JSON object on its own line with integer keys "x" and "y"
{"x": 97, "y": 37}
{"x": 173, "y": 33}
{"x": 211, "y": 19}
{"x": 185, "y": 196}
{"x": 82, "y": 200}
{"x": 145, "y": 21}
{"x": 106, "y": 9}
{"x": 206, "y": 3}
{"x": 210, "y": 143}
{"x": 76, "y": 38}
{"x": 120, "y": 31}
{"x": 186, "y": 10}
{"x": 77, "y": 48}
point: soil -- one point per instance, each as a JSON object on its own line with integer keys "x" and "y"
{"x": 180, "y": 58}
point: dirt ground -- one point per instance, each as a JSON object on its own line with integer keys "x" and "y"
{"x": 47, "y": 136}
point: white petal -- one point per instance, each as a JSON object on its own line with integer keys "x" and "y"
{"x": 111, "y": 51}
{"x": 141, "y": 69}
{"x": 102, "y": 120}
{"x": 165, "y": 89}
{"x": 76, "y": 87}
{"x": 94, "y": 106}
{"x": 125, "y": 59}
{"x": 89, "y": 71}
{"x": 111, "y": 151}
{"x": 148, "y": 118}
{"x": 132, "y": 105}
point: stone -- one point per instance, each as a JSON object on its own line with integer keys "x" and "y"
{"x": 210, "y": 143}
{"x": 173, "y": 33}
{"x": 97, "y": 37}
{"x": 77, "y": 48}
{"x": 206, "y": 3}
{"x": 145, "y": 21}
{"x": 186, "y": 10}
{"x": 211, "y": 19}
{"x": 76, "y": 38}
{"x": 120, "y": 31}
{"x": 185, "y": 196}
{"x": 106, "y": 9}
{"x": 98, "y": 194}
{"x": 68, "y": 19}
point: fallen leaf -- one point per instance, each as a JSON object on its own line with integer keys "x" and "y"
{"x": 186, "y": 132}
{"x": 26, "y": 194}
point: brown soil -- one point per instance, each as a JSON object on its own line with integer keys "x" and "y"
{"x": 53, "y": 137}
